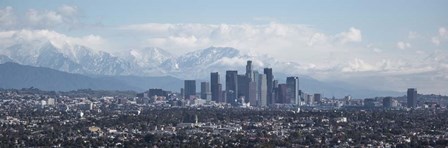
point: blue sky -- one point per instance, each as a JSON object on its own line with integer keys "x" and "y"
{"x": 389, "y": 41}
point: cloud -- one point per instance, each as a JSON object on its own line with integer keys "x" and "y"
{"x": 441, "y": 37}
{"x": 435, "y": 41}
{"x": 412, "y": 35}
{"x": 65, "y": 16}
{"x": 352, "y": 35}
{"x": 403, "y": 45}
{"x": 443, "y": 32}
{"x": 7, "y": 17}
{"x": 283, "y": 41}
{"x": 36, "y": 37}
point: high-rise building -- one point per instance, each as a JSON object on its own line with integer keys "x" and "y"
{"x": 270, "y": 86}
{"x": 214, "y": 85}
{"x": 317, "y": 98}
{"x": 387, "y": 102}
{"x": 232, "y": 86}
{"x": 189, "y": 89}
{"x": 412, "y": 97}
{"x": 205, "y": 91}
{"x": 282, "y": 95}
{"x": 293, "y": 90}
{"x": 262, "y": 91}
{"x": 243, "y": 85}
{"x": 249, "y": 73}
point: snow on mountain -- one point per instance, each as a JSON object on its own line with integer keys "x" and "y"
{"x": 74, "y": 59}
{"x": 142, "y": 62}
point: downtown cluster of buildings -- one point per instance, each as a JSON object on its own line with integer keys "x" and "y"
{"x": 249, "y": 89}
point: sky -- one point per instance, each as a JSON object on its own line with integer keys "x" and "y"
{"x": 382, "y": 44}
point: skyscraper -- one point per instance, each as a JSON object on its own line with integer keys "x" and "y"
{"x": 231, "y": 86}
{"x": 262, "y": 90}
{"x": 249, "y": 73}
{"x": 412, "y": 97}
{"x": 270, "y": 87}
{"x": 214, "y": 85}
{"x": 189, "y": 88}
{"x": 293, "y": 90}
{"x": 205, "y": 91}
{"x": 282, "y": 94}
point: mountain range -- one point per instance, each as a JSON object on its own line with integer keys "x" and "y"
{"x": 69, "y": 67}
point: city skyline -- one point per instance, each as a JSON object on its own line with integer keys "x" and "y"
{"x": 380, "y": 45}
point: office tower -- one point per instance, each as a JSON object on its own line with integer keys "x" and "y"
{"x": 214, "y": 85}
{"x": 243, "y": 85}
{"x": 412, "y": 98}
{"x": 274, "y": 92}
{"x": 205, "y": 91}
{"x": 249, "y": 73}
{"x": 293, "y": 90}
{"x": 270, "y": 87}
{"x": 252, "y": 92}
{"x": 231, "y": 86}
{"x": 281, "y": 93}
{"x": 263, "y": 88}
{"x": 387, "y": 102}
{"x": 189, "y": 89}
{"x": 317, "y": 98}
{"x": 222, "y": 97}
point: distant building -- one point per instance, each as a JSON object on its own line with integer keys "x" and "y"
{"x": 370, "y": 103}
{"x": 387, "y": 102}
{"x": 293, "y": 90}
{"x": 231, "y": 86}
{"x": 205, "y": 91}
{"x": 317, "y": 98}
{"x": 282, "y": 94}
{"x": 270, "y": 86}
{"x": 249, "y": 73}
{"x": 412, "y": 98}
{"x": 216, "y": 87}
{"x": 262, "y": 90}
{"x": 189, "y": 88}
{"x": 157, "y": 92}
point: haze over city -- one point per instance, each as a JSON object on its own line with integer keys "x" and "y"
{"x": 200, "y": 73}
{"x": 380, "y": 45}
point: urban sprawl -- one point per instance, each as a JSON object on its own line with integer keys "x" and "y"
{"x": 252, "y": 110}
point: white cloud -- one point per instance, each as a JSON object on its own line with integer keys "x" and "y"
{"x": 9, "y": 38}
{"x": 412, "y": 35}
{"x": 441, "y": 37}
{"x": 65, "y": 16}
{"x": 283, "y": 41}
{"x": 353, "y": 35}
{"x": 403, "y": 45}
{"x": 443, "y": 32}
{"x": 435, "y": 41}
{"x": 7, "y": 17}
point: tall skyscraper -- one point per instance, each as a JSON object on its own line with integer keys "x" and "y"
{"x": 232, "y": 86}
{"x": 189, "y": 88}
{"x": 205, "y": 91}
{"x": 270, "y": 87}
{"x": 262, "y": 91}
{"x": 249, "y": 73}
{"x": 282, "y": 94}
{"x": 293, "y": 90}
{"x": 214, "y": 85}
{"x": 412, "y": 97}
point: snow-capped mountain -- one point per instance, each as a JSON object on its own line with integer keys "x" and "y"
{"x": 140, "y": 62}
{"x": 73, "y": 59}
